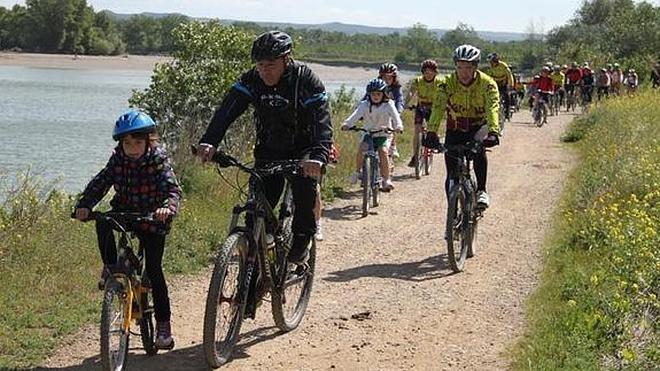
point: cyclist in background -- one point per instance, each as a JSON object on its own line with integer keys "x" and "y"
{"x": 573, "y": 78}
{"x": 604, "y": 83}
{"x": 378, "y": 112}
{"x": 424, "y": 88}
{"x": 292, "y": 120}
{"x": 532, "y": 90}
{"x": 632, "y": 81}
{"x": 469, "y": 100}
{"x": 545, "y": 89}
{"x": 617, "y": 79}
{"x": 389, "y": 72}
{"x": 139, "y": 171}
{"x": 501, "y": 73}
{"x": 655, "y": 75}
{"x": 558, "y": 79}
{"x": 587, "y": 83}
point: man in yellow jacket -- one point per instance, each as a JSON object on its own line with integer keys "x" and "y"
{"x": 468, "y": 100}
{"x": 501, "y": 73}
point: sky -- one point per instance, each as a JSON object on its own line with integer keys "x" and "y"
{"x": 500, "y": 15}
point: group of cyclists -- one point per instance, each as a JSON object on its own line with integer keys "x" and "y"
{"x": 293, "y": 122}
{"x": 556, "y": 86}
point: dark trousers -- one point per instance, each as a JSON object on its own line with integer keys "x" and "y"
{"x": 304, "y": 198}
{"x": 153, "y": 246}
{"x": 480, "y": 161}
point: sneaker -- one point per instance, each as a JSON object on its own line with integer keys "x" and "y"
{"x": 319, "y": 232}
{"x": 483, "y": 198}
{"x": 387, "y": 185}
{"x": 357, "y": 176}
{"x": 164, "y": 339}
{"x": 299, "y": 253}
{"x": 413, "y": 162}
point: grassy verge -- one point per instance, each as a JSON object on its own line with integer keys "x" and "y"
{"x": 49, "y": 263}
{"x": 597, "y": 303}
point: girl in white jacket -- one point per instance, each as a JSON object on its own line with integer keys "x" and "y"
{"x": 378, "y": 112}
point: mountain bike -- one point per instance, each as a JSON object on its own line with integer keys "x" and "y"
{"x": 126, "y": 294}
{"x": 423, "y": 155}
{"x": 539, "y": 110}
{"x": 463, "y": 211}
{"x": 371, "y": 177}
{"x": 252, "y": 262}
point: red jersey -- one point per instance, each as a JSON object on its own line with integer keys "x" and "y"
{"x": 573, "y": 75}
{"x": 546, "y": 84}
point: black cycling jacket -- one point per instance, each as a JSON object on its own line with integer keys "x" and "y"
{"x": 292, "y": 118}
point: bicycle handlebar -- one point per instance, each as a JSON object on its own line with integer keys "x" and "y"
{"x": 381, "y": 130}
{"x": 282, "y": 167}
{"x": 471, "y": 146}
{"x": 125, "y": 216}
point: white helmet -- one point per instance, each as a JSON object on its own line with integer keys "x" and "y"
{"x": 467, "y": 53}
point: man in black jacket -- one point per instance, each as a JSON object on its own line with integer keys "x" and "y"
{"x": 292, "y": 122}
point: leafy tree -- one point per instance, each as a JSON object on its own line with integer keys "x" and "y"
{"x": 183, "y": 94}
{"x": 462, "y": 34}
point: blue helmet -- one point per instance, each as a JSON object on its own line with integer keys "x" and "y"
{"x": 132, "y": 122}
{"x": 376, "y": 85}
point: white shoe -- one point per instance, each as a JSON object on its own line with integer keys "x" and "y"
{"x": 387, "y": 185}
{"x": 319, "y": 233}
{"x": 355, "y": 177}
{"x": 394, "y": 152}
{"x": 483, "y": 198}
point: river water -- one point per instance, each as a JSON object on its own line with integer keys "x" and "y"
{"x": 58, "y": 122}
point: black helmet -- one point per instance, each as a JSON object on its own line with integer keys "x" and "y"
{"x": 467, "y": 53}
{"x": 388, "y": 68}
{"x": 270, "y": 45}
{"x": 376, "y": 85}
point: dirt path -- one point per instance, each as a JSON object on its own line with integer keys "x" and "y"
{"x": 393, "y": 265}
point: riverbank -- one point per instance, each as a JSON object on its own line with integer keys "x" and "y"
{"x": 148, "y": 62}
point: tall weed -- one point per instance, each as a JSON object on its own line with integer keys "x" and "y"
{"x": 597, "y": 305}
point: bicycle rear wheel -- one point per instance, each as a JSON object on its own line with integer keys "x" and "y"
{"x": 376, "y": 182}
{"x": 457, "y": 229}
{"x": 366, "y": 185}
{"x": 290, "y": 299}
{"x": 114, "y": 339}
{"x": 224, "y": 304}
{"x": 147, "y": 333}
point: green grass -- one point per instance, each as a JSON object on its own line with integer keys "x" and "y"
{"x": 597, "y": 305}
{"x": 49, "y": 263}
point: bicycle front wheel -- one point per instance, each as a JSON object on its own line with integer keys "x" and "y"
{"x": 290, "y": 299}
{"x": 114, "y": 338}
{"x": 224, "y": 305}
{"x": 366, "y": 185}
{"x": 427, "y": 159}
{"x": 419, "y": 154}
{"x": 457, "y": 229}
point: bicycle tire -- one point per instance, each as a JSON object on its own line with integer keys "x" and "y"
{"x": 456, "y": 232}
{"x": 366, "y": 185}
{"x": 288, "y": 320}
{"x": 219, "y": 352}
{"x": 473, "y": 220}
{"x": 147, "y": 333}
{"x": 419, "y": 151}
{"x": 112, "y": 360}
{"x": 375, "y": 183}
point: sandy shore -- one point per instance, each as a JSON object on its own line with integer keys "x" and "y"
{"x": 141, "y": 62}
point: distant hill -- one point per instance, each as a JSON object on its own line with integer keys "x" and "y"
{"x": 349, "y": 29}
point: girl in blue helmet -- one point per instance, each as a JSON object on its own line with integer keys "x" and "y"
{"x": 378, "y": 112}
{"x": 140, "y": 173}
